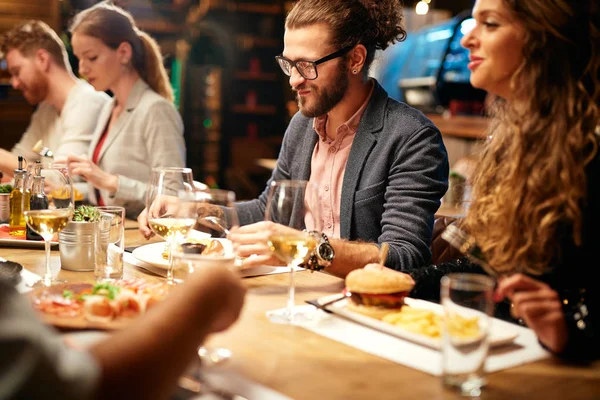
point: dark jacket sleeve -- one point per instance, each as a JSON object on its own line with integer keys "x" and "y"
{"x": 418, "y": 179}
{"x": 427, "y": 279}
{"x": 582, "y": 315}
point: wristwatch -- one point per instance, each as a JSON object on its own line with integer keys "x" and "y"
{"x": 322, "y": 256}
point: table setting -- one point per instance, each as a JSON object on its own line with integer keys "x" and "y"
{"x": 323, "y": 348}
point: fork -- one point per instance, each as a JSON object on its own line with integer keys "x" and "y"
{"x": 466, "y": 244}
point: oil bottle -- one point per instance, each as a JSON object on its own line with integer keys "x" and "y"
{"x": 37, "y": 201}
{"x": 19, "y": 202}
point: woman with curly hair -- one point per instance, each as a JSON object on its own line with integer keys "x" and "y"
{"x": 536, "y": 199}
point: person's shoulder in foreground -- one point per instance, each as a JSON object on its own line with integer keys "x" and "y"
{"x": 35, "y": 362}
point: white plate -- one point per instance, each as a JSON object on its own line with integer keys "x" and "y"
{"x": 500, "y": 335}
{"x": 152, "y": 253}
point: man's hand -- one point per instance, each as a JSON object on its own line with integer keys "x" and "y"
{"x": 227, "y": 293}
{"x": 251, "y": 243}
{"x": 84, "y": 167}
{"x": 539, "y": 306}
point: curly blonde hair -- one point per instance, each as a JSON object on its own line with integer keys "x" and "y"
{"x": 531, "y": 182}
{"x": 374, "y": 24}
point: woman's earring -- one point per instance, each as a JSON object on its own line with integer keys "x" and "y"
{"x": 354, "y": 71}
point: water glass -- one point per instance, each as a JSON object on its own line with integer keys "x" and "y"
{"x": 468, "y": 305}
{"x": 110, "y": 243}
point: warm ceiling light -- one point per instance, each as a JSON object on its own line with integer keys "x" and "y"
{"x": 421, "y": 8}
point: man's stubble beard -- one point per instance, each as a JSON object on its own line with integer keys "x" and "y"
{"x": 326, "y": 97}
{"x": 37, "y": 91}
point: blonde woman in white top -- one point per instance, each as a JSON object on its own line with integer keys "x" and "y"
{"x": 139, "y": 129}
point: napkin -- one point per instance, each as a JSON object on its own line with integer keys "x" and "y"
{"x": 524, "y": 349}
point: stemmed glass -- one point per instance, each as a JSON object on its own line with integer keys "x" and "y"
{"x": 215, "y": 214}
{"x": 56, "y": 181}
{"x": 162, "y": 204}
{"x": 294, "y": 204}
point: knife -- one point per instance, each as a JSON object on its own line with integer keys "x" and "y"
{"x": 322, "y": 306}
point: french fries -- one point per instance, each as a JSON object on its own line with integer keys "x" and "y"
{"x": 427, "y": 323}
{"x": 416, "y": 320}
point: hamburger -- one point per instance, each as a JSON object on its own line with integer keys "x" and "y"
{"x": 377, "y": 291}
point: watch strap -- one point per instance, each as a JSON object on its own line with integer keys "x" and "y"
{"x": 312, "y": 263}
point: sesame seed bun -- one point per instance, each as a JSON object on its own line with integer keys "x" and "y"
{"x": 378, "y": 281}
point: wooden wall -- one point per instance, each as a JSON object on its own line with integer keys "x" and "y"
{"x": 14, "y": 110}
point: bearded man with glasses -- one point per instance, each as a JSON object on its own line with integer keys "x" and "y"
{"x": 381, "y": 166}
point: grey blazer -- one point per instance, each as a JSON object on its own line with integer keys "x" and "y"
{"x": 147, "y": 134}
{"x": 396, "y": 174}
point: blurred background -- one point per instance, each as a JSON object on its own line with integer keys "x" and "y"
{"x": 234, "y": 100}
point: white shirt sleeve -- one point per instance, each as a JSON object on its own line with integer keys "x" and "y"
{"x": 79, "y": 119}
{"x": 33, "y": 133}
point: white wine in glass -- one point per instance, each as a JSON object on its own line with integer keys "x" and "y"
{"x": 48, "y": 222}
{"x": 172, "y": 227}
{"x": 293, "y": 204}
{"x": 293, "y": 248}
{"x": 162, "y": 204}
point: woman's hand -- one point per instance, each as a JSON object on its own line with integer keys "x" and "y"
{"x": 100, "y": 179}
{"x": 539, "y": 306}
{"x": 251, "y": 243}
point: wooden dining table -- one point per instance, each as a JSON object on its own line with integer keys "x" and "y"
{"x": 304, "y": 365}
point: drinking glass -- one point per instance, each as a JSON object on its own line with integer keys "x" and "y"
{"x": 294, "y": 204}
{"x": 162, "y": 205}
{"x": 468, "y": 305}
{"x": 215, "y": 214}
{"x": 109, "y": 243}
{"x": 48, "y": 222}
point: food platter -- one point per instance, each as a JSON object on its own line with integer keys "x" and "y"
{"x": 64, "y": 305}
{"x": 500, "y": 333}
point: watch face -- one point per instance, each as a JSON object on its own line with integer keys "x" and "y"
{"x": 326, "y": 252}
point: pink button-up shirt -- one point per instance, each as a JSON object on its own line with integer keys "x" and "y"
{"x": 328, "y": 166}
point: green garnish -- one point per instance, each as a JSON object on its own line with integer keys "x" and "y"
{"x": 7, "y": 188}
{"x": 67, "y": 294}
{"x": 106, "y": 289}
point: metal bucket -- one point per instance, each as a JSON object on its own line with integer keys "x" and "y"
{"x": 4, "y": 207}
{"x": 77, "y": 245}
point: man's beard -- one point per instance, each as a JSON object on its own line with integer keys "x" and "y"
{"x": 37, "y": 90}
{"x": 326, "y": 97}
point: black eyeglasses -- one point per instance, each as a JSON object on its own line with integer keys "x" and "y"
{"x": 308, "y": 69}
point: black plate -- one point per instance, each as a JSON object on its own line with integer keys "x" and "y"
{"x": 10, "y": 271}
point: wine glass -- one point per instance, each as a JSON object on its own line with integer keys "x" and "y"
{"x": 162, "y": 205}
{"x": 215, "y": 214}
{"x": 46, "y": 222}
{"x": 294, "y": 204}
